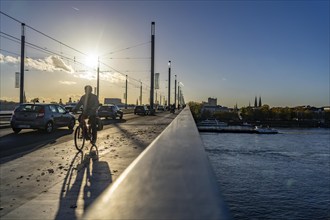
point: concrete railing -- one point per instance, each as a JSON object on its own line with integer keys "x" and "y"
{"x": 171, "y": 179}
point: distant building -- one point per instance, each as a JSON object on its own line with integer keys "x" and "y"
{"x": 212, "y": 106}
{"x": 256, "y": 105}
{"x": 212, "y": 101}
{"x": 213, "y": 109}
{"x": 114, "y": 101}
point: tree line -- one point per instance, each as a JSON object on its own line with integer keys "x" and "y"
{"x": 301, "y": 116}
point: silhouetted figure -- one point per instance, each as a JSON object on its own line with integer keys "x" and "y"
{"x": 90, "y": 104}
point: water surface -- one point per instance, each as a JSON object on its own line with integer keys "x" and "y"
{"x": 281, "y": 176}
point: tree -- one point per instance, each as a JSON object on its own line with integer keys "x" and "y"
{"x": 247, "y": 113}
{"x": 206, "y": 114}
{"x": 196, "y": 110}
{"x": 264, "y": 112}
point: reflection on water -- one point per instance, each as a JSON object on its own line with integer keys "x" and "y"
{"x": 281, "y": 176}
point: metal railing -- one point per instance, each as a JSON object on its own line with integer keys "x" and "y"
{"x": 171, "y": 179}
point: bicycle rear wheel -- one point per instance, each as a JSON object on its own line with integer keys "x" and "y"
{"x": 79, "y": 139}
{"x": 93, "y": 136}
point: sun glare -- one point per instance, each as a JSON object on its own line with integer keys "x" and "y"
{"x": 91, "y": 60}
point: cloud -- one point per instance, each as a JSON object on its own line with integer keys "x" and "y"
{"x": 8, "y": 59}
{"x": 55, "y": 63}
{"x": 113, "y": 77}
{"x": 59, "y": 64}
{"x": 67, "y": 82}
{"x": 51, "y": 63}
{"x": 84, "y": 74}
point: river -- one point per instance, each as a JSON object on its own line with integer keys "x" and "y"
{"x": 281, "y": 176}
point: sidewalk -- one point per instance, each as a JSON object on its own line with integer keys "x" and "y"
{"x": 56, "y": 182}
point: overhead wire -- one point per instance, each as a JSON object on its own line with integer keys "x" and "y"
{"x": 10, "y": 17}
{"x": 10, "y": 52}
{"x": 8, "y": 35}
{"x": 138, "y": 45}
{"x": 47, "y": 51}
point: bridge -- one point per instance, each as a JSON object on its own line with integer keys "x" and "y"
{"x": 171, "y": 179}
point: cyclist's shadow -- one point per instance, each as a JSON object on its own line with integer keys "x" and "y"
{"x": 83, "y": 184}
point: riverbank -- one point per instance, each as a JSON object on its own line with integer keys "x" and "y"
{"x": 287, "y": 123}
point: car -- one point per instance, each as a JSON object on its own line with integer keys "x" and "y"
{"x": 70, "y": 107}
{"x": 141, "y": 109}
{"x": 41, "y": 116}
{"x": 110, "y": 111}
{"x": 160, "y": 108}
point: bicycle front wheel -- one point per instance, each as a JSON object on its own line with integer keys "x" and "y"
{"x": 79, "y": 139}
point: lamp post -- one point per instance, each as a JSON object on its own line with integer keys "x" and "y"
{"x": 169, "y": 85}
{"x": 126, "y": 94}
{"x": 21, "y": 91}
{"x": 175, "y": 93}
{"x": 141, "y": 93}
{"x": 152, "y": 67}
{"x": 180, "y": 96}
{"x": 98, "y": 78}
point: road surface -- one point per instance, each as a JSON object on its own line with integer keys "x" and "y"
{"x": 44, "y": 177}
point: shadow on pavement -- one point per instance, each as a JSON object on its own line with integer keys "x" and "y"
{"x": 11, "y": 144}
{"x": 113, "y": 121}
{"x": 85, "y": 180}
{"x": 139, "y": 141}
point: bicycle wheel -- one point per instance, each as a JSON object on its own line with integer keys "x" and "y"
{"x": 79, "y": 139}
{"x": 93, "y": 136}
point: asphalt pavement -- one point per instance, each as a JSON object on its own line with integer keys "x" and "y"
{"x": 55, "y": 181}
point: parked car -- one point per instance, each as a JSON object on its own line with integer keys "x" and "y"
{"x": 41, "y": 116}
{"x": 141, "y": 109}
{"x": 160, "y": 108}
{"x": 110, "y": 111}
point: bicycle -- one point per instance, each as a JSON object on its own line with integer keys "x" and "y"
{"x": 83, "y": 132}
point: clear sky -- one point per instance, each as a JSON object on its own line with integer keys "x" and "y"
{"x": 229, "y": 50}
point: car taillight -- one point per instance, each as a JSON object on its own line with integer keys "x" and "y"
{"x": 41, "y": 113}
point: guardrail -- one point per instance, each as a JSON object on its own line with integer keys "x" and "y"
{"x": 5, "y": 120}
{"x": 171, "y": 179}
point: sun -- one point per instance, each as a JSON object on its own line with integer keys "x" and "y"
{"x": 91, "y": 60}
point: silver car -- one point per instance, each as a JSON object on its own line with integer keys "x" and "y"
{"x": 41, "y": 116}
{"x": 110, "y": 111}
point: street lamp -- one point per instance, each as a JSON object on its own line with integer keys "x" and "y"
{"x": 169, "y": 85}
{"x": 21, "y": 92}
{"x": 98, "y": 79}
{"x": 152, "y": 67}
{"x": 180, "y": 98}
{"x": 175, "y": 93}
{"x": 126, "y": 93}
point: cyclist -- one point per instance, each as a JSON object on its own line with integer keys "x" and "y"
{"x": 90, "y": 104}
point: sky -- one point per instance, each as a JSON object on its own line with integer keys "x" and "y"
{"x": 229, "y": 50}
